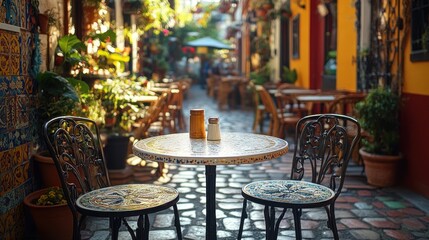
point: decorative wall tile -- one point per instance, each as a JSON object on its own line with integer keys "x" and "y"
{"x": 22, "y": 111}
{"x": 6, "y": 182}
{"x": 10, "y": 55}
{"x": 4, "y": 64}
{"x": 29, "y": 88}
{"x": 19, "y": 174}
{"x": 25, "y": 40}
{"x": 12, "y": 223}
{"x": 23, "y": 14}
{"x": 3, "y": 116}
{"x": 6, "y": 160}
{"x": 17, "y": 114}
{"x": 3, "y": 86}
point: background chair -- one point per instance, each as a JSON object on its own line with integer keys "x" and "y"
{"x": 75, "y": 146}
{"x": 282, "y": 115}
{"x": 259, "y": 109}
{"x": 289, "y": 111}
{"x": 345, "y": 104}
{"x": 269, "y": 108}
{"x": 319, "y": 165}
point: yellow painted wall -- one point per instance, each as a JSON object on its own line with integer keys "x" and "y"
{"x": 346, "y": 46}
{"x": 416, "y": 80}
{"x": 302, "y": 64}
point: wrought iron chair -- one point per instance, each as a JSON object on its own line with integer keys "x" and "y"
{"x": 75, "y": 146}
{"x": 320, "y": 160}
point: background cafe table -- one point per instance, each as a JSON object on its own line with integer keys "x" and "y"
{"x": 322, "y": 99}
{"x": 233, "y": 148}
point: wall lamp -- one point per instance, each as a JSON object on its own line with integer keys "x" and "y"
{"x": 300, "y": 3}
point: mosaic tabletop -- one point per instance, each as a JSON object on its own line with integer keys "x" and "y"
{"x": 233, "y": 148}
{"x": 128, "y": 197}
{"x": 289, "y": 191}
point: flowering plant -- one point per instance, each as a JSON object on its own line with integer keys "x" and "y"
{"x": 54, "y": 196}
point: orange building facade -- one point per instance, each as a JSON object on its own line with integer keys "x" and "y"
{"x": 316, "y": 39}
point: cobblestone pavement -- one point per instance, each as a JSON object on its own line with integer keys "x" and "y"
{"x": 362, "y": 211}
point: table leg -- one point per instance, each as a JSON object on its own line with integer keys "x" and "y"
{"x": 211, "y": 202}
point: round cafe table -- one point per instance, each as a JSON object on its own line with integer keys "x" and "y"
{"x": 232, "y": 149}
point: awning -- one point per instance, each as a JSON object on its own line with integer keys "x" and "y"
{"x": 208, "y": 42}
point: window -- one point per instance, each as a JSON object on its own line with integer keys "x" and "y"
{"x": 420, "y": 30}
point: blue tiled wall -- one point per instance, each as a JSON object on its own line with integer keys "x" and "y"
{"x": 17, "y": 112}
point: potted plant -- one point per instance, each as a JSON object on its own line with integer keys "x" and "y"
{"x": 50, "y": 212}
{"x": 116, "y": 99}
{"x": 43, "y": 23}
{"x": 378, "y": 115}
{"x": 56, "y": 97}
{"x": 261, "y": 76}
{"x": 285, "y": 11}
{"x": 68, "y": 54}
{"x": 264, "y": 4}
{"x": 289, "y": 75}
{"x": 262, "y": 7}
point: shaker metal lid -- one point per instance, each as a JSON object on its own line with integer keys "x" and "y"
{"x": 213, "y": 120}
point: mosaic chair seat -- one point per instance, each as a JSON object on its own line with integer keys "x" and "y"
{"x": 321, "y": 155}
{"x": 75, "y": 146}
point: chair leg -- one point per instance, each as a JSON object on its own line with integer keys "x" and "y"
{"x": 332, "y": 223}
{"x": 77, "y": 226}
{"x": 243, "y": 216}
{"x": 276, "y": 229}
{"x": 177, "y": 222}
{"x": 297, "y": 220}
{"x": 256, "y": 120}
{"x": 269, "y": 215}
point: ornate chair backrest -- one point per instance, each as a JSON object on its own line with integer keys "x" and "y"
{"x": 75, "y": 145}
{"x": 323, "y": 148}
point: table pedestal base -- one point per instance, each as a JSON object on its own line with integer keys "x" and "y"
{"x": 211, "y": 202}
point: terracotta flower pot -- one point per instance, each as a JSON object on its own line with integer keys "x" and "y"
{"x": 43, "y": 23}
{"x": 381, "y": 170}
{"x": 48, "y": 171}
{"x": 260, "y": 12}
{"x": 52, "y": 222}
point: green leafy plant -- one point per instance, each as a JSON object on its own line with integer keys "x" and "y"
{"x": 53, "y": 18}
{"x": 56, "y": 96}
{"x": 54, "y": 196}
{"x": 378, "y": 114}
{"x": 261, "y": 75}
{"x": 285, "y": 10}
{"x": 69, "y": 48}
{"x": 116, "y": 99}
{"x": 263, "y": 3}
{"x": 289, "y": 75}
